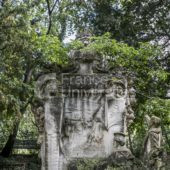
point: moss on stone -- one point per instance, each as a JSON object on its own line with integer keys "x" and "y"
{"x": 104, "y": 164}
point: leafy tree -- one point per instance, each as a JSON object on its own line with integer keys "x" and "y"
{"x": 30, "y": 35}
{"x": 23, "y": 52}
{"x": 131, "y": 21}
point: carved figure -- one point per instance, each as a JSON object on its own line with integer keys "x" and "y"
{"x": 153, "y": 143}
{"x": 96, "y": 134}
{"x": 130, "y": 102}
{"x": 121, "y": 152}
{"x": 120, "y": 91}
{"x": 119, "y": 140}
{"x": 129, "y": 116}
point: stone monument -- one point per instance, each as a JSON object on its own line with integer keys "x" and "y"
{"x": 85, "y": 113}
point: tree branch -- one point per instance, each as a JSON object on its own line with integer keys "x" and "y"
{"x": 50, "y": 11}
{"x": 57, "y": 1}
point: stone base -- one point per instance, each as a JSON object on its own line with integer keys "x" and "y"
{"x": 120, "y": 158}
{"x": 121, "y": 155}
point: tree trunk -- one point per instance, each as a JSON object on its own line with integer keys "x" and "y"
{"x": 7, "y": 150}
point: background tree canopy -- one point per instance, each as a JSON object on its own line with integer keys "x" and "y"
{"x": 132, "y": 35}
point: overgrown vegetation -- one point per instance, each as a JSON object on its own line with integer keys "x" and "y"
{"x": 132, "y": 35}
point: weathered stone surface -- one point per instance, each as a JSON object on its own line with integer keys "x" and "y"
{"x": 86, "y": 114}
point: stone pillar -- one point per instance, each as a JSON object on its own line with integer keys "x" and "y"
{"x": 47, "y": 92}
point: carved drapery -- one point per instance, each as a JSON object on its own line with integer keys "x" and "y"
{"x": 153, "y": 150}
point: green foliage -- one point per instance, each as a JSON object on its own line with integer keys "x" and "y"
{"x": 87, "y": 164}
{"x": 28, "y": 129}
{"x": 6, "y": 126}
{"x": 129, "y": 21}
{"x": 50, "y": 48}
{"x": 158, "y": 107}
{"x": 138, "y": 62}
{"x": 152, "y": 106}
{"x": 104, "y": 164}
{"x": 24, "y": 51}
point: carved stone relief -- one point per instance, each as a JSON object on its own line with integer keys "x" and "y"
{"x": 86, "y": 113}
